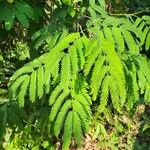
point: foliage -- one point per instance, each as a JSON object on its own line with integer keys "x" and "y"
{"x": 81, "y": 69}
{"x": 20, "y": 10}
{"x": 117, "y": 131}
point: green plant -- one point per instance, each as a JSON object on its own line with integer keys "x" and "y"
{"x": 79, "y": 79}
{"x": 69, "y": 96}
{"x": 20, "y": 10}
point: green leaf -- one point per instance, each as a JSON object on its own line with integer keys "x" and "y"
{"x": 146, "y": 126}
{"x": 147, "y": 43}
{"x": 102, "y": 3}
{"x": 9, "y": 20}
{"x": 71, "y": 11}
{"x": 33, "y": 86}
{"x": 67, "y": 2}
{"x": 67, "y": 131}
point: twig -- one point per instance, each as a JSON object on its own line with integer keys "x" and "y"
{"x": 132, "y": 14}
{"x": 80, "y": 27}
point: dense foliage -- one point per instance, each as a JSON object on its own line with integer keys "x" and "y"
{"x": 71, "y": 68}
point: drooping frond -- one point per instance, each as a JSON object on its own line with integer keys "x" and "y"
{"x": 127, "y": 33}
{"x": 143, "y": 74}
{"x": 56, "y": 92}
{"x": 108, "y": 35}
{"x": 14, "y": 88}
{"x": 137, "y": 72}
{"x": 117, "y": 101}
{"x": 147, "y": 44}
{"x": 68, "y": 128}
{"x": 55, "y": 72}
{"x": 57, "y": 75}
{"x": 98, "y": 75}
{"x": 106, "y": 67}
{"x": 91, "y": 59}
{"x": 114, "y": 62}
{"x": 51, "y": 69}
{"x": 118, "y": 39}
{"x": 57, "y": 105}
{"x": 133, "y": 89}
{"x": 75, "y": 103}
{"x": 47, "y": 80}
{"x": 132, "y": 45}
{"x": 147, "y": 93}
{"x": 61, "y": 117}
{"x": 33, "y": 86}
{"x": 77, "y": 130}
{"x": 80, "y": 52}
{"x": 74, "y": 61}
{"x": 143, "y": 27}
{"x": 76, "y": 54}
{"x": 65, "y": 72}
{"x": 40, "y": 80}
{"x": 104, "y": 94}
{"x": 44, "y": 71}
{"x": 84, "y": 103}
{"x": 22, "y": 93}
{"x": 81, "y": 111}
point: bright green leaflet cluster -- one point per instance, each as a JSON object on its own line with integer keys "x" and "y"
{"x": 128, "y": 35}
{"x": 69, "y": 98}
{"x": 107, "y": 67}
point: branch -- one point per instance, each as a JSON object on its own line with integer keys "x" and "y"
{"x": 132, "y": 14}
